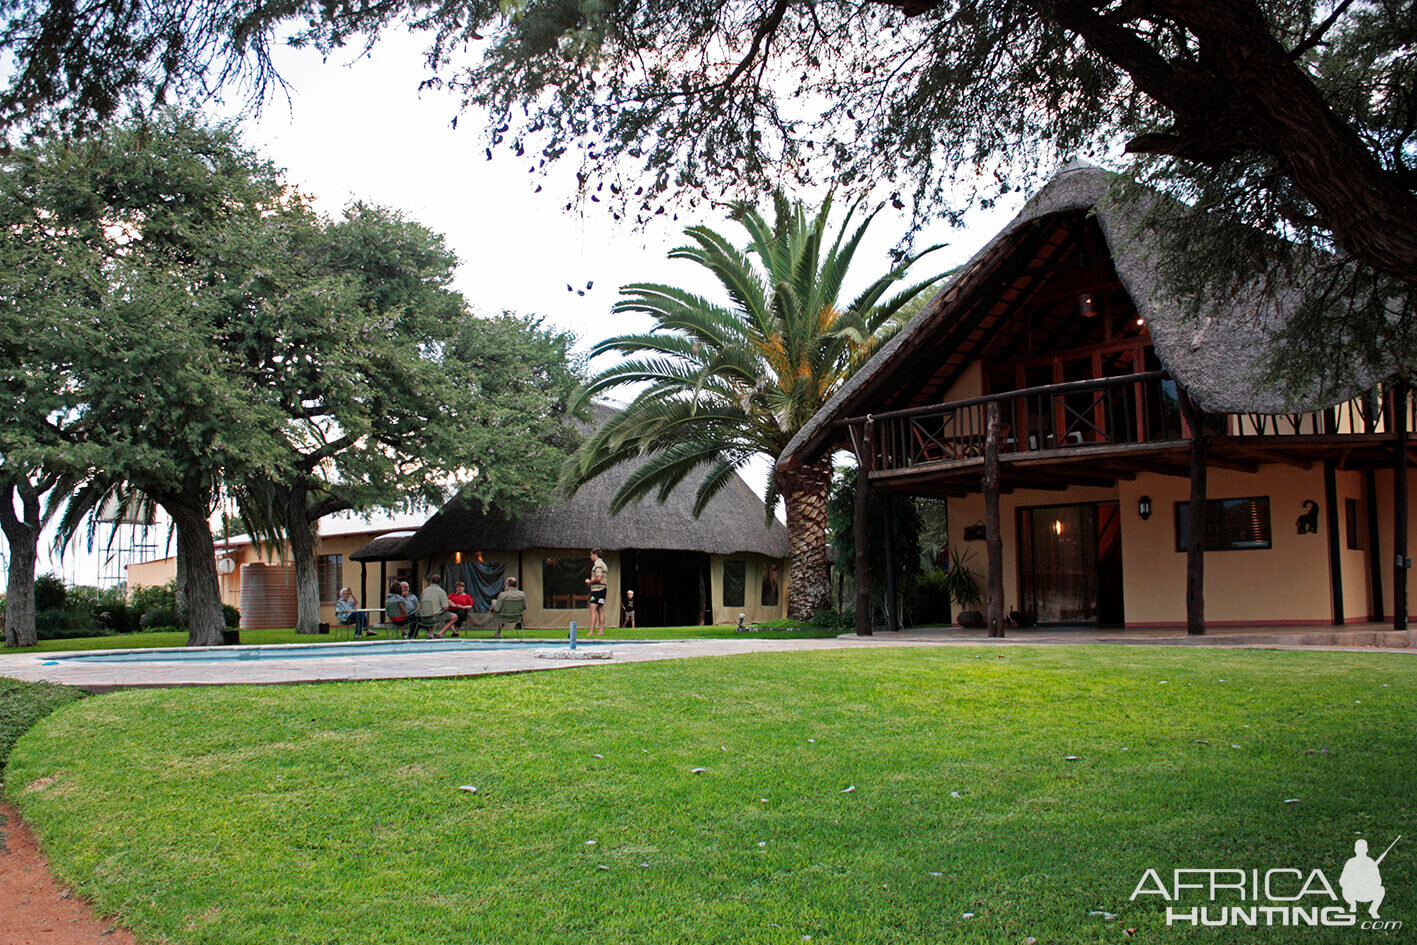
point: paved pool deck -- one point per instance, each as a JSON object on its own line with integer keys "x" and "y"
{"x": 349, "y": 662}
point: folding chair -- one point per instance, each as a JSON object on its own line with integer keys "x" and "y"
{"x": 510, "y": 614}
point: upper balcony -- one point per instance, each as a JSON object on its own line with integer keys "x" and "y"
{"x": 1095, "y": 432}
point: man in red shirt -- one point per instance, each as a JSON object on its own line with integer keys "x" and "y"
{"x": 461, "y": 603}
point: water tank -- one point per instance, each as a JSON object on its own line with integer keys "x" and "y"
{"x": 267, "y": 596}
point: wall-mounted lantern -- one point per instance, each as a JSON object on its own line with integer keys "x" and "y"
{"x": 1144, "y": 507}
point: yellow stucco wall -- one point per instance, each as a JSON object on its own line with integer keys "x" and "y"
{"x": 752, "y": 609}
{"x": 1288, "y": 583}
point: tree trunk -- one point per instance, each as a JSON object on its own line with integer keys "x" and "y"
{"x": 300, "y": 531}
{"x": 804, "y": 492}
{"x": 196, "y": 552}
{"x": 179, "y": 591}
{"x": 22, "y": 534}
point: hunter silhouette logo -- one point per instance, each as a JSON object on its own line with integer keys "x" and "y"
{"x": 1282, "y": 896}
{"x": 1361, "y": 881}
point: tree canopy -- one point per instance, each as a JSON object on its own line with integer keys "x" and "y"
{"x": 1290, "y": 119}
{"x": 182, "y": 326}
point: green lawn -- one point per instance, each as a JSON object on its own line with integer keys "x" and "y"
{"x": 854, "y": 797}
{"x": 125, "y": 641}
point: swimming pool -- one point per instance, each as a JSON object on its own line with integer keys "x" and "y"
{"x": 296, "y": 651}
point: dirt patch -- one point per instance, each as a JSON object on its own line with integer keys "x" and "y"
{"x": 34, "y": 908}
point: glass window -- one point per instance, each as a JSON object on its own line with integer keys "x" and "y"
{"x": 1230, "y": 524}
{"x": 331, "y": 576}
{"x": 735, "y": 583}
{"x": 563, "y": 583}
{"x": 771, "y": 583}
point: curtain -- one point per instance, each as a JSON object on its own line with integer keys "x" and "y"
{"x": 483, "y": 580}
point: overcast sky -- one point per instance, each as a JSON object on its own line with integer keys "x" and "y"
{"x": 357, "y": 129}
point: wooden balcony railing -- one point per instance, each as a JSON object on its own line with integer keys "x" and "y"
{"x": 1132, "y": 409}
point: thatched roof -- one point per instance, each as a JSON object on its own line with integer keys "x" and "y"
{"x": 1220, "y": 360}
{"x": 383, "y": 548}
{"x": 732, "y": 523}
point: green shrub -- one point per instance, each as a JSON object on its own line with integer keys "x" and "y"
{"x": 65, "y": 625}
{"x": 116, "y": 617}
{"x": 158, "y": 616}
{"x": 155, "y": 607}
{"x": 49, "y": 593}
{"x": 24, "y": 703}
{"x": 233, "y": 616}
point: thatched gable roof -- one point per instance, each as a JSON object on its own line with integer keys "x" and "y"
{"x": 1220, "y": 360}
{"x": 731, "y": 524}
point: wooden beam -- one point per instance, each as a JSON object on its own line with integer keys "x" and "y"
{"x": 1195, "y": 539}
{"x": 1335, "y": 562}
{"x": 1240, "y": 465}
{"x": 1375, "y": 571}
{"x": 892, "y": 598}
{"x": 994, "y": 543}
{"x": 1370, "y": 499}
{"x": 860, "y": 530}
{"x": 1400, "y": 396}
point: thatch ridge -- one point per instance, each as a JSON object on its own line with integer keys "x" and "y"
{"x": 1220, "y": 360}
{"x": 731, "y": 524}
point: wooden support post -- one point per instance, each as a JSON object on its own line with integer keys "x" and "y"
{"x": 1195, "y": 544}
{"x": 1370, "y": 499}
{"x": 993, "y": 543}
{"x": 893, "y": 621}
{"x": 860, "y": 529}
{"x": 363, "y": 584}
{"x": 1375, "y": 570}
{"x": 1401, "y": 394}
{"x": 1335, "y": 561}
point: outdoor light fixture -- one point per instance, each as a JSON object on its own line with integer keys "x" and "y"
{"x": 1087, "y": 305}
{"x": 1144, "y": 507}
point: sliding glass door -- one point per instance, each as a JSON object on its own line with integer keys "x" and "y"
{"x": 1070, "y": 563}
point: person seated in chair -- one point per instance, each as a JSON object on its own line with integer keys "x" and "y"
{"x": 462, "y": 604}
{"x": 509, "y": 591}
{"x": 401, "y": 609}
{"x": 437, "y": 599}
{"x": 348, "y": 613}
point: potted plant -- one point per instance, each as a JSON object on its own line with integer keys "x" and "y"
{"x": 963, "y": 588}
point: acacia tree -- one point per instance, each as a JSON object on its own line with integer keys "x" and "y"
{"x": 393, "y": 392}
{"x": 722, "y": 382}
{"x": 1292, "y": 117}
{"x": 128, "y": 234}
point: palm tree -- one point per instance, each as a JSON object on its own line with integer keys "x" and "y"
{"x": 720, "y": 384}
